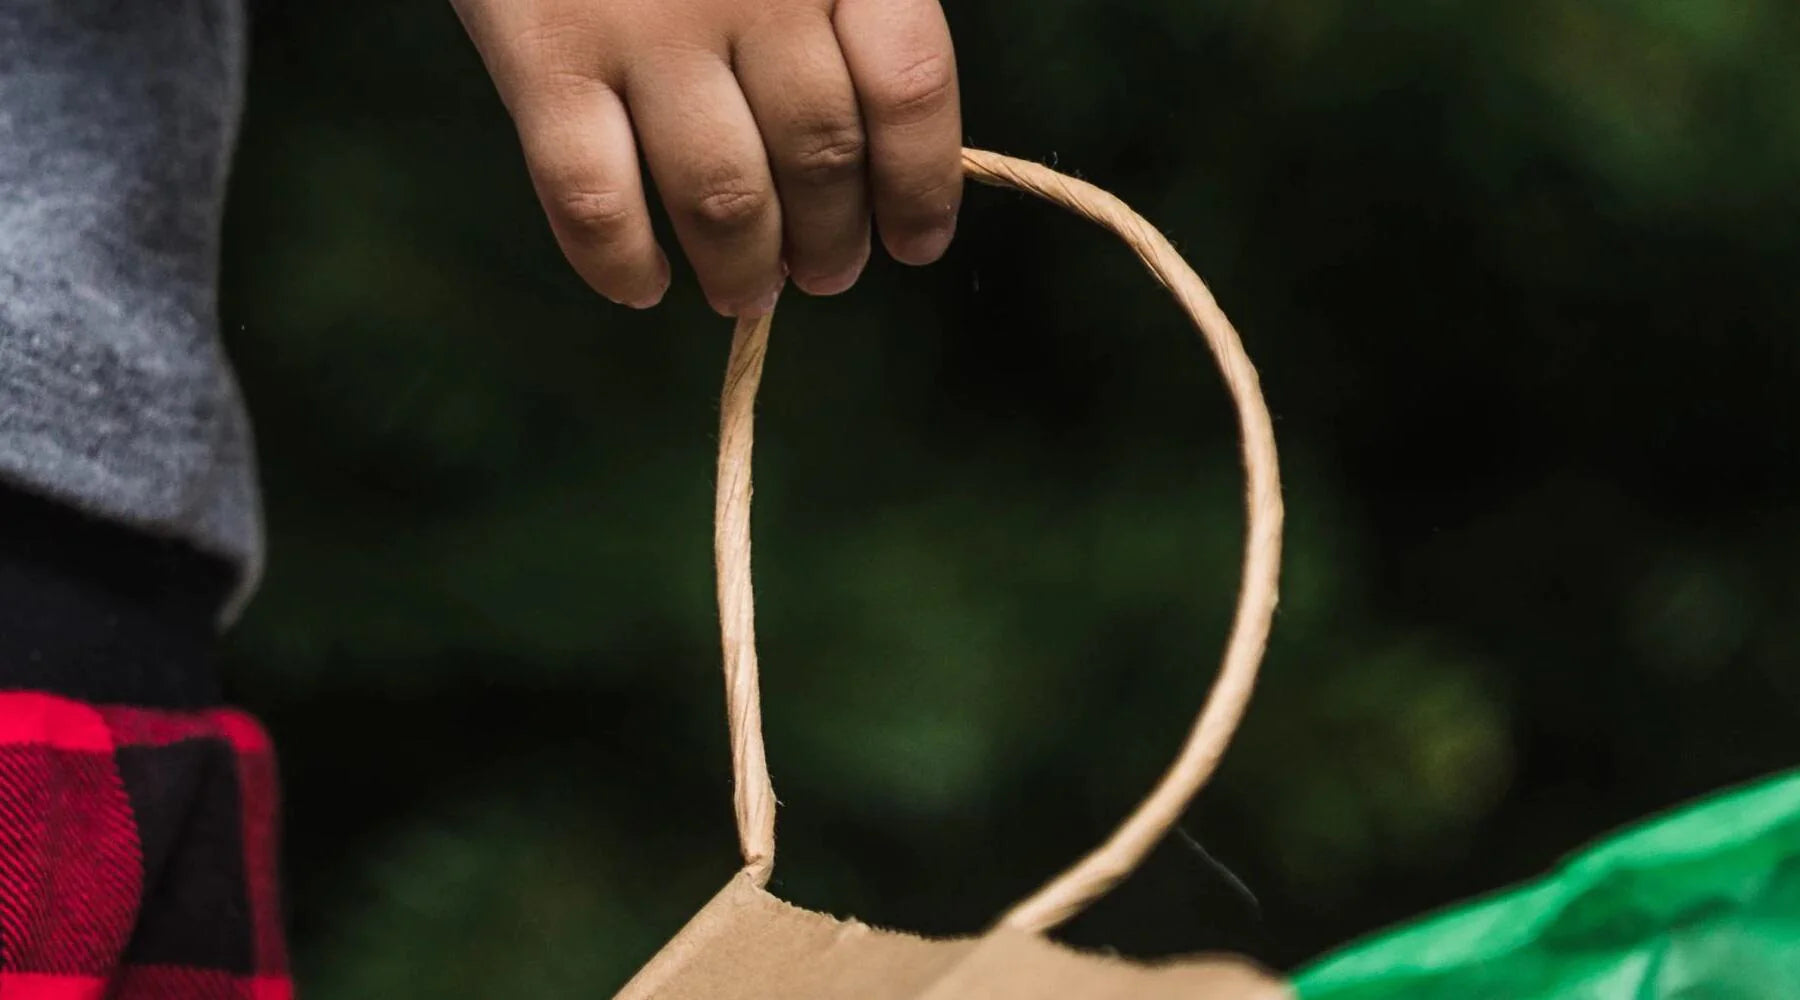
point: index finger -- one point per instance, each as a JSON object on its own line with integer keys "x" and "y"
{"x": 904, "y": 68}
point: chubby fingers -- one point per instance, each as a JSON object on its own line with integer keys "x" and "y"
{"x": 773, "y": 130}
{"x": 904, "y": 67}
{"x": 584, "y": 164}
{"x": 707, "y": 157}
{"x": 793, "y": 73}
{"x": 546, "y": 60}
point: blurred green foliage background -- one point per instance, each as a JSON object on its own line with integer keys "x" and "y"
{"x": 1520, "y": 277}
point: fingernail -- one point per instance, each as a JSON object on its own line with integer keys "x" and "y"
{"x": 648, "y": 302}
{"x": 836, "y": 283}
{"x": 925, "y": 247}
{"x": 831, "y": 284}
{"x": 760, "y": 306}
{"x": 650, "y": 299}
{"x": 766, "y": 304}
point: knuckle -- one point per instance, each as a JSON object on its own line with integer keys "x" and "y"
{"x": 729, "y": 206}
{"x": 547, "y": 51}
{"x": 594, "y": 214}
{"x": 919, "y": 89}
{"x": 829, "y": 152}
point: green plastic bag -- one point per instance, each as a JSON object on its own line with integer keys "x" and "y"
{"x": 1701, "y": 904}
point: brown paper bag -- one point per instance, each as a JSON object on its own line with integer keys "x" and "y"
{"x": 747, "y": 945}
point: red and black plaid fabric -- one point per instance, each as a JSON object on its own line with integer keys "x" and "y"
{"x": 137, "y": 854}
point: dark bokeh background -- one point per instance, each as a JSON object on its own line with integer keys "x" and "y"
{"x": 1521, "y": 281}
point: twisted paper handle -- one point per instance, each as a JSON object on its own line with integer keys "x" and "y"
{"x": 1096, "y": 874}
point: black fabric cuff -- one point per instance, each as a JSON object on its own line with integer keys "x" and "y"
{"x": 105, "y": 614}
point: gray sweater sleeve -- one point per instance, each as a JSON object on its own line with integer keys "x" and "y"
{"x": 117, "y": 120}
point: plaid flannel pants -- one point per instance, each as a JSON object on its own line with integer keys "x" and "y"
{"x": 137, "y": 854}
{"x": 137, "y": 813}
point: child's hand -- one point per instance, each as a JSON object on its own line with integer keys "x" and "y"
{"x": 773, "y": 130}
